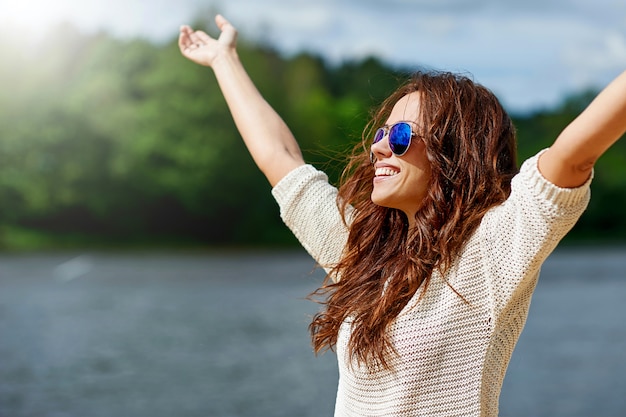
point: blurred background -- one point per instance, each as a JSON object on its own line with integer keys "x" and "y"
{"x": 140, "y": 244}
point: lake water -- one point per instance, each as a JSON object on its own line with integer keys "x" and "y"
{"x": 225, "y": 335}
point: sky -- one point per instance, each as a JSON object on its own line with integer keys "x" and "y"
{"x": 531, "y": 53}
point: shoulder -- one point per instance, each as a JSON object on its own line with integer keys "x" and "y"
{"x": 308, "y": 206}
{"x": 298, "y": 180}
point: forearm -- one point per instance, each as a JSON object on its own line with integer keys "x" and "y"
{"x": 603, "y": 122}
{"x": 573, "y": 155}
{"x": 267, "y": 137}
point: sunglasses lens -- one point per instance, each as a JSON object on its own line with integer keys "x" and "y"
{"x": 400, "y": 138}
{"x": 379, "y": 135}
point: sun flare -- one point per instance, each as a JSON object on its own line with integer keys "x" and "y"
{"x": 34, "y": 17}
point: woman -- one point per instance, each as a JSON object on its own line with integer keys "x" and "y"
{"x": 434, "y": 240}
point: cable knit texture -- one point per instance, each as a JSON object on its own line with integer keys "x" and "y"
{"x": 452, "y": 355}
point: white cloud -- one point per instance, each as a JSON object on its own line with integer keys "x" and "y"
{"x": 531, "y": 52}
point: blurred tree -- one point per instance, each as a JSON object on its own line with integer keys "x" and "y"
{"x": 114, "y": 140}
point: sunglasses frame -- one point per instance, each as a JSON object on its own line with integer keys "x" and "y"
{"x": 386, "y": 130}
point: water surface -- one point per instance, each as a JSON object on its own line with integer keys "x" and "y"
{"x": 225, "y": 334}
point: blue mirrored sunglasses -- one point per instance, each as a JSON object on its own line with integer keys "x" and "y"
{"x": 400, "y": 135}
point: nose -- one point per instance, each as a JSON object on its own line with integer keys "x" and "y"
{"x": 380, "y": 149}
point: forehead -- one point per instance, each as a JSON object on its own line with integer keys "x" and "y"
{"x": 406, "y": 109}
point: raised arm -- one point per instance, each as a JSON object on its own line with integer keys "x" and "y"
{"x": 269, "y": 140}
{"x": 568, "y": 163}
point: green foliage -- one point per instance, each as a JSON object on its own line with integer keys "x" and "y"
{"x": 115, "y": 141}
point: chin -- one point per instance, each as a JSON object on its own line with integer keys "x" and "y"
{"x": 382, "y": 202}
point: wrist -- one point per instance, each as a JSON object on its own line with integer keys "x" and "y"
{"x": 225, "y": 57}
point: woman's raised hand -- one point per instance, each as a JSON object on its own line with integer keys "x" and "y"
{"x": 203, "y": 49}
{"x": 269, "y": 140}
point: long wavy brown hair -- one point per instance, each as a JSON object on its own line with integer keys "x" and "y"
{"x": 471, "y": 146}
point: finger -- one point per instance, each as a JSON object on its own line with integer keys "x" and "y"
{"x": 195, "y": 37}
{"x": 229, "y": 33}
{"x": 222, "y": 23}
{"x": 183, "y": 40}
{"x": 220, "y": 20}
{"x": 186, "y": 30}
{"x": 203, "y": 36}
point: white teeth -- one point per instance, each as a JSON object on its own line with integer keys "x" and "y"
{"x": 385, "y": 172}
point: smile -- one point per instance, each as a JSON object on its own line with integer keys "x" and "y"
{"x": 385, "y": 172}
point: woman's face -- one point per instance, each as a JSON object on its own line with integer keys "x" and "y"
{"x": 401, "y": 182}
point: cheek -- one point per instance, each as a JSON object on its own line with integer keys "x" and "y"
{"x": 421, "y": 175}
{"x": 420, "y": 166}
{"x": 422, "y": 181}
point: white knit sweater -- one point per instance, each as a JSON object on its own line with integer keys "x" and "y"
{"x": 452, "y": 355}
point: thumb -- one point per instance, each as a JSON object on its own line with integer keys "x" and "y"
{"x": 229, "y": 33}
{"x": 221, "y": 22}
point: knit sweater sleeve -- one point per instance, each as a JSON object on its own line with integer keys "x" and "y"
{"x": 517, "y": 236}
{"x": 308, "y": 206}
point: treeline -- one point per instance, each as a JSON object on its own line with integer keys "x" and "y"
{"x": 123, "y": 142}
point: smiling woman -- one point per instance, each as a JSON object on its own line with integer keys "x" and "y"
{"x": 434, "y": 239}
{"x": 401, "y": 183}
